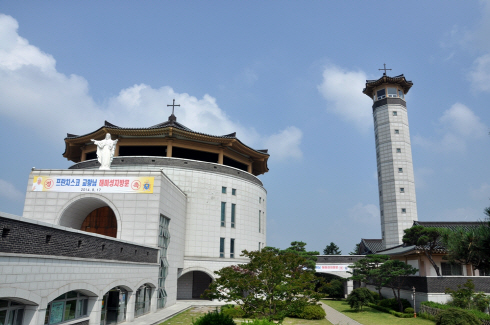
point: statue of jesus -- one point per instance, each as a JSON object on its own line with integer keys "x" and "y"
{"x": 105, "y": 151}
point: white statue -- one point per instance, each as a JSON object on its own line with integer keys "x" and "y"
{"x": 105, "y": 151}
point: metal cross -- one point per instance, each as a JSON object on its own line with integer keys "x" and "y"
{"x": 173, "y": 106}
{"x": 384, "y": 73}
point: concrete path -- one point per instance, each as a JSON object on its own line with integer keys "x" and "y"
{"x": 337, "y": 318}
{"x": 166, "y": 313}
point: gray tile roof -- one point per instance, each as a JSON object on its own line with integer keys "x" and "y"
{"x": 371, "y": 246}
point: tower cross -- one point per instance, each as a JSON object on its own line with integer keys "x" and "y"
{"x": 384, "y": 73}
{"x": 173, "y": 106}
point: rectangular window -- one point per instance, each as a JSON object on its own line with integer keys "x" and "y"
{"x": 402, "y": 190}
{"x": 232, "y": 248}
{"x": 392, "y": 92}
{"x": 381, "y": 94}
{"x": 233, "y": 211}
{"x": 233, "y": 191}
{"x": 395, "y": 113}
{"x": 221, "y": 247}
{"x": 400, "y": 94}
{"x": 398, "y": 150}
{"x": 223, "y": 189}
{"x": 451, "y": 269}
{"x": 397, "y": 131}
{"x": 260, "y": 215}
{"x": 404, "y": 210}
{"x": 223, "y": 213}
{"x": 260, "y": 199}
{"x": 400, "y": 170}
{"x": 259, "y": 246}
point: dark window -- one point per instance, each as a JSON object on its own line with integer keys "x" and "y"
{"x": 233, "y": 211}
{"x": 233, "y": 191}
{"x": 223, "y": 189}
{"x": 451, "y": 269}
{"x": 233, "y": 163}
{"x": 194, "y": 154}
{"x": 221, "y": 247}
{"x": 159, "y": 151}
{"x": 391, "y": 92}
{"x": 232, "y": 247}
{"x": 381, "y": 94}
{"x": 90, "y": 155}
{"x": 223, "y": 213}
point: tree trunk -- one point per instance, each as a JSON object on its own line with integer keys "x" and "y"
{"x": 433, "y": 263}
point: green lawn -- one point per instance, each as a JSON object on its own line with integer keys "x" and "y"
{"x": 186, "y": 317}
{"x": 370, "y": 316}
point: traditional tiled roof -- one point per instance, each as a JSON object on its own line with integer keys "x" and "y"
{"x": 370, "y": 246}
{"x": 398, "y": 80}
{"x": 440, "y": 248}
{"x": 169, "y": 123}
{"x": 453, "y": 225}
{"x": 171, "y": 129}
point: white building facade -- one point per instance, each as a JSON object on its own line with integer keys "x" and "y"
{"x": 110, "y": 245}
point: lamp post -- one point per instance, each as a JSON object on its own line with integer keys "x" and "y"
{"x": 413, "y": 298}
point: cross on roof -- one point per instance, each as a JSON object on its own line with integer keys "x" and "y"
{"x": 173, "y": 106}
{"x": 384, "y": 73}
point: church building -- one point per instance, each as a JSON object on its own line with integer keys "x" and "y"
{"x": 143, "y": 217}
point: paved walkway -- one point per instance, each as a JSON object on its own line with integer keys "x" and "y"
{"x": 337, "y": 318}
{"x": 162, "y": 315}
{"x": 166, "y": 313}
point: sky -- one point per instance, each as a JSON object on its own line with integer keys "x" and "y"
{"x": 285, "y": 75}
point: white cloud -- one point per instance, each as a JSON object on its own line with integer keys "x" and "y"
{"x": 480, "y": 74}
{"x": 285, "y": 144}
{"x": 342, "y": 90}
{"x": 50, "y": 103}
{"x": 367, "y": 214}
{"x": 457, "y": 125}
{"x": 7, "y": 190}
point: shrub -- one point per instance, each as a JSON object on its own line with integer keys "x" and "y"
{"x": 393, "y": 303}
{"x": 334, "y": 289}
{"x": 375, "y": 295}
{"x": 359, "y": 297}
{"x": 233, "y": 311}
{"x": 390, "y": 311}
{"x": 409, "y": 310}
{"x": 259, "y": 322}
{"x": 454, "y": 316}
{"x": 214, "y": 318}
{"x": 313, "y": 312}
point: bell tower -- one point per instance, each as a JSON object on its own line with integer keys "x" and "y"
{"x": 397, "y": 201}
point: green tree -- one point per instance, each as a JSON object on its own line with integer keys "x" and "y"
{"x": 271, "y": 285}
{"x": 466, "y": 298}
{"x": 393, "y": 274}
{"x": 469, "y": 246}
{"x": 359, "y": 297}
{"x": 427, "y": 238}
{"x": 332, "y": 249}
{"x": 355, "y": 251}
{"x": 366, "y": 270}
{"x": 299, "y": 248}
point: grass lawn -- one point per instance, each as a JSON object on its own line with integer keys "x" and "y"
{"x": 186, "y": 317}
{"x": 370, "y": 316}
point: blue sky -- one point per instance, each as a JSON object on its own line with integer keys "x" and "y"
{"x": 287, "y": 76}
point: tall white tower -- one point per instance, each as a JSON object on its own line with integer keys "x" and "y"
{"x": 397, "y": 202}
